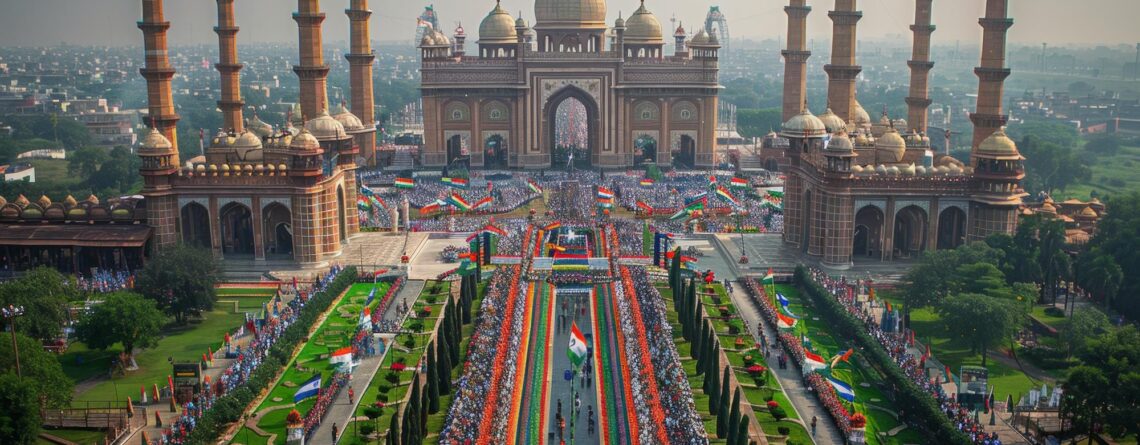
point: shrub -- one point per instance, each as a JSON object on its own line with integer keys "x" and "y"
{"x": 410, "y": 342}
{"x": 733, "y": 329}
{"x": 383, "y": 389}
{"x": 783, "y": 430}
{"x": 367, "y": 429}
{"x": 1054, "y": 311}
{"x": 431, "y": 299}
{"x": 392, "y": 377}
{"x": 778, "y": 413}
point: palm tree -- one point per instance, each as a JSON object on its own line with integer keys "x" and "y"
{"x": 1054, "y": 262}
{"x": 1101, "y": 275}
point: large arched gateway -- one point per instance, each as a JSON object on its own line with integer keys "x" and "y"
{"x": 572, "y": 127}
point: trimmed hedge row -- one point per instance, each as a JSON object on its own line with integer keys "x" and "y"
{"x": 230, "y": 407}
{"x": 925, "y": 411}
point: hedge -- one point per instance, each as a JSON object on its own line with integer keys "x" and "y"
{"x": 922, "y": 407}
{"x": 230, "y": 407}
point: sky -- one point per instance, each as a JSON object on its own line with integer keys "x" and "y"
{"x": 112, "y": 22}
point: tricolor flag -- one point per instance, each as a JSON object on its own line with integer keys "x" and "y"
{"x": 458, "y": 183}
{"x": 533, "y": 186}
{"x": 366, "y": 190}
{"x": 738, "y": 183}
{"x": 606, "y": 202}
{"x": 577, "y": 348}
{"x": 813, "y": 361}
{"x": 845, "y": 357}
{"x": 725, "y": 195}
{"x": 494, "y": 229}
{"x": 643, "y": 206}
{"x": 785, "y": 322}
{"x": 309, "y": 389}
{"x": 703, "y": 198}
{"x": 341, "y": 356}
{"x": 646, "y": 182}
{"x": 405, "y": 183}
{"x": 605, "y": 193}
{"x": 433, "y": 207}
{"x": 789, "y": 313}
{"x": 712, "y": 181}
{"x": 770, "y": 278}
{"x": 552, "y": 226}
{"x": 459, "y": 202}
{"x": 485, "y": 202}
{"x": 366, "y": 316}
{"x": 842, "y": 389}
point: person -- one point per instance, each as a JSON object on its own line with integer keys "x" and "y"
{"x": 334, "y": 432}
{"x": 813, "y": 420}
{"x": 351, "y": 395}
{"x": 590, "y": 419}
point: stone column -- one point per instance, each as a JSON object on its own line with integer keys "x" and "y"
{"x": 795, "y": 59}
{"x": 360, "y": 59}
{"x": 229, "y": 68}
{"x": 842, "y": 70}
{"x": 312, "y": 70}
{"x": 988, "y": 117}
{"x": 920, "y": 66}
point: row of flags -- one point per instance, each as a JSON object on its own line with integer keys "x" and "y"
{"x": 813, "y": 361}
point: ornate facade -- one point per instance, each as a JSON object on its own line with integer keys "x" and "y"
{"x": 497, "y": 108}
{"x": 860, "y": 190}
{"x": 261, "y": 193}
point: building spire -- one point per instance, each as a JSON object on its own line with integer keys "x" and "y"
{"x": 360, "y": 59}
{"x": 988, "y": 117}
{"x": 842, "y": 71}
{"x": 312, "y": 70}
{"x": 795, "y": 59}
{"x": 229, "y": 68}
{"x": 919, "y": 99}
{"x": 158, "y": 72}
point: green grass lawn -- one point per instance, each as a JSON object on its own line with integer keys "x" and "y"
{"x": 1111, "y": 175}
{"x": 81, "y": 437}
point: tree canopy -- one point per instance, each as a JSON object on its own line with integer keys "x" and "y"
{"x": 1051, "y": 165}
{"x": 181, "y": 280}
{"x": 981, "y": 320}
{"x": 43, "y": 293}
{"x": 39, "y": 368}
{"x": 19, "y": 411}
{"x": 1118, "y": 235}
{"x": 122, "y": 317}
{"x": 1107, "y": 387}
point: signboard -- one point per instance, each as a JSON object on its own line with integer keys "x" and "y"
{"x": 187, "y": 380}
{"x": 973, "y": 382}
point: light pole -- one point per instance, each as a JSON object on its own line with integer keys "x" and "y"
{"x": 10, "y": 313}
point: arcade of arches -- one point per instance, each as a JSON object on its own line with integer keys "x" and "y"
{"x": 236, "y": 231}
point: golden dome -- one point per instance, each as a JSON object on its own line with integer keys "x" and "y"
{"x": 998, "y": 146}
{"x": 22, "y": 201}
{"x": 890, "y": 147}
{"x": 3, "y": 201}
{"x": 347, "y": 119}
{"x": 570, "y": 13}
{"x": 910, "y": 170}
{"x": 325, "y": 128}
{"x": 1088, "y": 212}
{"x": 44, "y": 201}
{"x": 155, "y": 142}
{"x": 498, "y": 28}
{"x": 92, "y": 199}
{"x": 258, "y": 127}
{"x": 832, "y": 122}
{"x": 803, "y": 125}
{"x": 247, "y": 140}
{"x": 861, "y": 116}
{"x": 856, "y": 169}
{"x": 643, "y": 28}
{"x": 305, "y": 142}
{"x": 70, "y": 201}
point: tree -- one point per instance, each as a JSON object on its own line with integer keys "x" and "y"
{"x": 1086, "y": 323}
{"x": 123, "y": 317}
{"x": 1054, "y": 262}
{"x": 19, "y": 410}
{"x": 120, "y": 174}
{"x": 1118, "y": 235}
{"x": 1099, "y": 274}
{"x": 734, "y": 416}
{"x": 742, "y": 431}
{"x": 43, "y": 293}
{"x": 722, "y": 412}
{"x": 39, "y": 368}
{"x": 1115, "y": 354}
{"x": 394, "y": 429}
{"x": 753, "y": 122}
{"x": 432, "y": 381}
{"x": 1103, "y": 144}
{"x": 181, "y": 279}
{"x": 1050, "y": 165}
{"x": 1086, "y": 399}
{"x": 982, "y": 321}
{"x": 85, "y": 162}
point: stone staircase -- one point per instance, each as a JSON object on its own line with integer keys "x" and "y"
{"x": 401, "y": 161}
{"x": 750, "y": 162}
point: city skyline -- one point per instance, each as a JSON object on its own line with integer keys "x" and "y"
{"x": 262, "y": 21}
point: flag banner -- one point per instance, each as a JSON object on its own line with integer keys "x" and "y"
{"x": 433, "y": 207}
{"x": 782, "y": 299}
{"x": 789, "y": 313}
{"x": 703, "y": 197}
{"x": 405, "y": 183}
{"x": 458, "y": 183}
{"x": 643, "y": 206}
{"x": 605, "y": 193}
{"x": 366, "y": 190}
{"x": 309, "y": 389}
{"x": 813, "y": 361}
{"x": 775, "y": 194}
{"x": 770, "y": 278}
{"x": 647, "y": 182}
{"x": 845, "y": 391}
{"x": 533, "y": 186}
{"x": 459, "y": 202}
{"x": 577, "y": 348}
{"x": 494, "y": 229}
{"x": 712, "y": 181}
{"x": 785, "y": 322}
{"x": 738, "y": 183}
{"x": 679, "y": 215}
{"x": 342, "y": 355}
{"x": 725, "y": 195}
{"x": 552, "y": 226}
{"x": 363, "y": 204}
{"x": 365, "y": 318}
{"x": 485, "y": 202}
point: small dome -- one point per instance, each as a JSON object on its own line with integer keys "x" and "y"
{"x": 861, "y": 116}
{"x": 325, "y": 128}
{"x": 44, "y": 201}
{"x": 1048, "y": 208}
{"x": 305, "y": 142}
{"x": 619, "y": 22}
{"x": 247, "y": 140}
{"x": 225, "y": 167}
{"x": 258, "y": 127}
{"x": 890, "y": 147}
{"x": 282, "y": 168}
{"x": 520, "y": 23}
{"x": 921, "y": 170}
{"x": 155, "y": 142}
{"x": 840, "y": 144}
{"x": 70, "y": 201}
{"x": 832, "y": 122}
{"x": 680, "y": 32}
{"x": 643, "y": 27}
{"x": 857, "y": 169}
{"x": 271, "y": 167}
{"x": 802, "y": 126}
{"x": 213, "y": 168}
{"x": 998, "y": 146}
{"x": 861, "y": 140}
{"x": 702, "y": 38}
{"x": 570, "y": 13}
{"x": 1088, "y": 212}
{"x": 893, "y": 170}
{"x": 498, "y": 28}
{"x": 956, "y": 170}
{"x": 22, "y": 201}
{"x": 881, "y": 169}
{"x": 260, "y": 168}
{"x": 910, "y": 170}
{"x": 347, "y": 119}
{"x": 92, "y": 199}
{"x": 200, "y": 168}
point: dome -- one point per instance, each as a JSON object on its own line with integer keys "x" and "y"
{"x": 857, "y": 169}
{"x": 861, "y": 140}
{"x": 305, "y": 141}
{"x": 910, "y": 170}
{"x": 1048, "y": 208}
{"x": 702, "y": 38}
{"x": 881, "y": 169}
{"x": 498, "y": 28}
{"x": 680, "y": 32}
{"x": 803, "y": 125}
{"x": 155, "y": 142}
{"x": 44, "y": 201}
{"x": 325, "y": 128}
{"x": 619, "y": 22}
{"x": 247, "y": 140}
{"x": 259, "y": 169}
{"x": 998, "y": 146}
{"x": 347, "y": 119}
{"x": 521, "y": 23}
{"x": 258, "y": 127}
{"x": 890, "y": 146}
{"x": 893, "y": 170}
{"x": 70, "y": 201}
{"x": 861, "y": 116}
{"x": 832, "y": 122}
{"x": 840, "y": 144}
{"x": 22, "y": 201}
{"x": 1088, "y": 212}
{"x": 570, "y": 13}
{"x": 921, "y": 170}
{"x": 643, "y": 27}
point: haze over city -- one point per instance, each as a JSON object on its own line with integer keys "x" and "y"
{"x": 111, "y": 22}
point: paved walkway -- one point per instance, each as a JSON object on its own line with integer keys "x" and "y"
{"x": 343, "y": 410}
{"x": 804, "y": 402}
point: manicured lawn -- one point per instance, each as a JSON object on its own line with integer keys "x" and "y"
{"x": 1111, "y": 175}
{"x": 81, "y": 437}
{"x": 1055, "y": 322}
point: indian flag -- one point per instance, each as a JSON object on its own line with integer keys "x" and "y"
{"x": 770, "y": 278}
{"x": 605, "y": 193}
{"x": 485, "y": 202}
{"x": 646, "y": 182}
{"x": 577, "y": 349}
{"x": 533, "y": 186}
{"x": 643, "y": 206}
{"x": 495, "y": 229}
{"x": 459, "y": 202}
{"x": 405, "y": 183}
{"x": 455, "y": 182}
{"x": 813, "y": 361}
{"x": 341, "y": 356}
{"x": 738, "y": 182}
{"x": 784, "y": 321}
{"x": 430, "y": 208}
{"x": 725, "y": 195}
{"x": 552, "y": 226}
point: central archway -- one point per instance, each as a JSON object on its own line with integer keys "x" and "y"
{"x": 495, "y": 152}
{"x": 237, "y": 230}
{"x": 277, "y": 231}
{"x": 196, "y": 225}
{"x": 572, "y": 120}
{"x": 645, "y": 148}
{"x": 868, "y": 232}
{"x": 951, "y": 228}
{"x": 910, "y": 231}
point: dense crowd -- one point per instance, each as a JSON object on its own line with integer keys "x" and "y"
{"x": 682, "y": 422}
{"x": 325, "y": 399}
{"x": 103, "y": 280}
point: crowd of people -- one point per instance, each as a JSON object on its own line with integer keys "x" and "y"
{"x": 103, "y": 280}
{"x": 265, "y": 332}
{"x": 325, "y": 399}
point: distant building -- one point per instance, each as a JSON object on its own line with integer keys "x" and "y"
{"x": 112, "y": 128}
{"x": 18, "y": 172}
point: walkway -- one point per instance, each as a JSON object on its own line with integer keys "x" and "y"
{"x": 804, "y": 402}
{"x": 343, "y": 410}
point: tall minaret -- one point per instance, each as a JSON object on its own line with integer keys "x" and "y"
{"x": 842, "y": 71}
{"x": 988, "y": 117}
{"x": 920, "y": 65}
{"x": 795, "y": 59}
{"x": 231, "y": 103}
{"x": 158, "y": 73}
{"x": 360, "y": 58}
{"x": 312, "y": 70}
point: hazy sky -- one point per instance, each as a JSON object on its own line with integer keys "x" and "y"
{"x": 49, "y": 22}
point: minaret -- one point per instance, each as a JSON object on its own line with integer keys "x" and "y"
{"x": 842, "y": 71}
{"x": 795, "y": 59}
{"x": 460, "y": 42}
{"x": 158, "y": 73}
{"x": 920, "y": 65}
{"x": 988, "y": 117}
{"x": 312, "y": 70}
{"x": 231, "y": 103}
{"x": 360, "y": 75}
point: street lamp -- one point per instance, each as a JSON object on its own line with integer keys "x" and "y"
{"x": 10, "y": 313}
